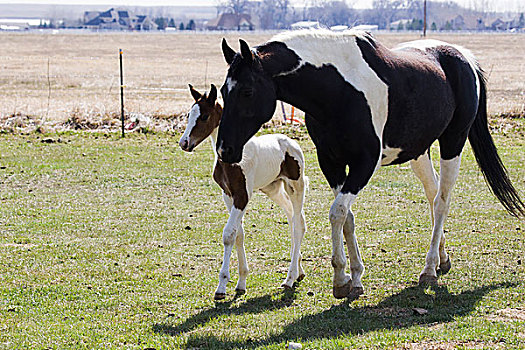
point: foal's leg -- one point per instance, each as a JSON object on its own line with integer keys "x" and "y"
{"x": 449, "y": 173}
{"x": 228, "y": 238}
{"x": 275, "y": 191}
{"x": 241, "y": 253}
{"x": 240, "y": 288}
{"x": 296, "y": 191}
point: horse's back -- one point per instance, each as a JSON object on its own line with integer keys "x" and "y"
{"x": 431, "y": 82}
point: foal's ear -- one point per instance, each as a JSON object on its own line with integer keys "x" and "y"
{"x": 212, "y": 96}
{"x": 196, "y": 95}
{"x": 246, "y": 53}
{"x": 227, "y": 52}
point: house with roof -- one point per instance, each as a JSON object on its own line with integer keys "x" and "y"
{"x": 117, "y": 19}
{"x": 231, "y": 21}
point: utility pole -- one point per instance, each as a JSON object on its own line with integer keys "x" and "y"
{"x": 424, "y": 18}
{"x": 121, "y": 91}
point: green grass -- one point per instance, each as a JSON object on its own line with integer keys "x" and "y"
{"x": 112, "y": 243}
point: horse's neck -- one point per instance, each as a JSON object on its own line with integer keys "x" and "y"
{"x": 298, "y": 83}
{"x": 301, "y": 93}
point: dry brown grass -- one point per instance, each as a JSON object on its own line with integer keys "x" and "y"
{"x": 83, "y": 79}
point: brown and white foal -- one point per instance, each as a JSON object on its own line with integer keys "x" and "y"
{"x": 273, "y": 164}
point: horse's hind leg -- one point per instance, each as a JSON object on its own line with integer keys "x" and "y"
{"x": 425, "y": 172}
{"x": 436, "y": 254}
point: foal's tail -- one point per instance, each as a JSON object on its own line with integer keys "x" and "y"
{"x": 488, "y": 159}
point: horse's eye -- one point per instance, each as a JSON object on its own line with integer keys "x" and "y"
{"x": 204, "y": 117}
{"x": 247, "y": 93}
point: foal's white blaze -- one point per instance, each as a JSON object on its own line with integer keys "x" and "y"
{"x": 230, "y": 83}
{"x": 193, "y": 115}
{"x": 423, "y": 45}
{"x": 340, "y": 50}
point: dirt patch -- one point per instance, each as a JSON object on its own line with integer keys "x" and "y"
{"x": 450, "y": 345}
{"x": 16, "y": 121}
{"x": 18, "y": 245}
{"x": 509, "y": 314}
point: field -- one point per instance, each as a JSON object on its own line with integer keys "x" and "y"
{"x": 50, "y": 79}
{"x": 110, "y": 243}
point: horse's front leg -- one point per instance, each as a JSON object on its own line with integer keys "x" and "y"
{"x": 338, "y": 215}
{"x": 357, "y": 267}
{"x": 346, "y": 187}
{"x": 228, "y": 239}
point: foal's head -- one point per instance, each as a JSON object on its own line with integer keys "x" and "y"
{"x": 203, "y": 118}
{"x": 249, "y": 101}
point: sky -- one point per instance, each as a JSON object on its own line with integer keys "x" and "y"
{"x": 499, "y": 5}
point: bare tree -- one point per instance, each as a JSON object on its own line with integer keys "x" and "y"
{"x": 273, "y": 14}
{"x": 384, "y": 11}
{"x": 236, "y": 6}
{"x": 337, "y": 13}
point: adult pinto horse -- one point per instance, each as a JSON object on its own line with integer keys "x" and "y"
{"x": 368, "y": 106}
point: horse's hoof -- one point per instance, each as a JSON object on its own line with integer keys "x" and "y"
{"x": 300, "y": 278}
{"x": 343, "y": 291}
{"x": 219, "y": 296}
{"x": 427, "y": 280}
{"x": 355, "y": 292}
{"x": 445, "y": 267}
{"x": 240, "y": 291}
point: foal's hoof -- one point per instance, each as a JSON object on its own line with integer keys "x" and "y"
{"x": 286, "y": 287}
{"x": 444, "y": 267}
{"x": 343, "y": 291}
{"x": 219, "y": 296}
{"x": 427, "y": 280}
{"x": 240, "y": 291}
{"x": 300, "y": 278}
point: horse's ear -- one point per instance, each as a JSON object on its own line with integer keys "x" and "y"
{"x": 246, "y": 53}
{"x": 196, "y": 95}
{"x": 227, "y": 52}
{"x": 212, "y": 96}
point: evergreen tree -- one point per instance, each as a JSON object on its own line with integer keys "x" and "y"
{"x": 172, "y": 23}
{"x": 433, "y": 27}
{"x": 191, "y": 25}
{"x": 181, "y": 26}
{"x": 161, "y": 23}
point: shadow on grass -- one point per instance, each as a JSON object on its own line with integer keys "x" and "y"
{"x": 394, "y": 312}
{"x": 278, "y": 300}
